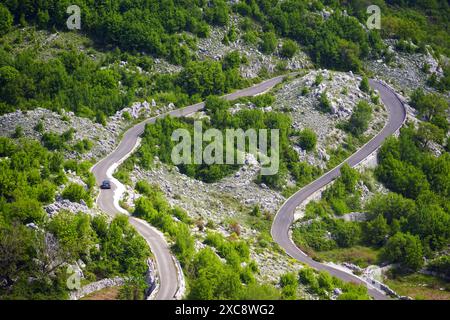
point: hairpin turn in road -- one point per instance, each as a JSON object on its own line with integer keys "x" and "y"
{"x": 167, "y": 270}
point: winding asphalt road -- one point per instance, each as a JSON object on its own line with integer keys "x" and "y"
{"x": 108, "y": 200}
{"x": 285, "y": 216}
{"x": 167, "y": 270}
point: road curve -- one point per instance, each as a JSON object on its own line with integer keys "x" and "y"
{"x": 285, "y": 216}
{"x": 108, "y": 199}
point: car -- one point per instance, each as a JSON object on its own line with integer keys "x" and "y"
{"x": 106, "y": 185}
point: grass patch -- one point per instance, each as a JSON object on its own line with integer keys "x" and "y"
{"x": 46, "y": 44}
{"x": 419, "y": 286}
{"x": 359, "y": 255}
{"x": 104, "y": 294}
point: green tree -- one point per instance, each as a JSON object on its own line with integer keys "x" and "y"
{"x": 217, "y": 12}
{"x": 25, "y": 210}
{"x": 402, "y": 177}
{"x": 429, "y": 106}
{"x": 53, "y": 141}
{"x": 346, "y": 234}
{"x": 184, "y": 244}
{"x": 405, "y": 249}
{"x": 289, "y": 49}
{"x": 359, "y": 121}
{"x": 231, "y": 60}
{"x": 391, "y": 206}
{"x": 440, "y": 265}
{"x": 16, "y": 244}
{"x": 288, "y": 283}
{"x": 431, "y": 224}
{"x": 364, "y": 85}
{"x": 255, "y": 291}
{"x": 74, "y": 233}
{"x": 6, "y": 20}
{"x": 76, "y": 193}
{"x": 10, "y": 85}
{"x": 377, "y": 230}
{"x": 132, "y": 290}
{"x": 269, "y": 42}
{"x": 325, "y": 281}
{"x": 428, "y": 133}
{"x": 307, "y": 139}
{"x": 307, "y": 277}
{"x": 213, "y": 279}
{"x": 349, "y": 177}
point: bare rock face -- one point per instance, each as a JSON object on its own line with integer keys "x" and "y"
{"x": 355, "y": 216}
{"x": 300, "y": 98}
{"x": 214, "y": 48}
{"x": 407, "y": 71}
{"x": 103, "y": 140}
{"x": 66, "y": 205}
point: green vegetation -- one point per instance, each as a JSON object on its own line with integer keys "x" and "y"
{"x": 431, "y": 108}
{"x": 407, "y": 168}
{"x": 260, "y": 101}
{"x": 87, "y": 76}
{"x": 159, "y": 28}
{"x": 69, "y": 81}
{"x": 324, "y": 102}
{"x": 315, "y": 235}
{"x": 33, "y": 257}
{"x": 361, "y": 256}
{"x": 63, "y": 142}
{"x": 405, "y": 249}
{"x": 6, "y": 20}
{"x": 421, "y": 22}
{"x": 443, "y": 84}
{"x": 269, "y": 42}
{"x": 157, "y": 142}
{"x": 208, "y": 276}
{"x": 342, "y": 195}
{"x": 289, "y": 49}
{"x": 307, "y": 139}
{"x": 441, "y": 266}
{"x": 419, "y": 286}
{"x": 404, "y": 226}
{"x": 76, "y": 193}
{"x": 154, "y": 208}
{"x": 141, "y": 25}
{"x": 82, "y": 169}
{"x": 338, "y": 42}
{"x": 322, "y": 284}
{"x": 96, "y": 88}
{"x": 39, "y": 127}
{"x": 29, "y": 177}
{"x": 360, "y": 118}
{"x": 289, "y": 284}
{"x": 83, "y": 146}
{"x": 205, "y": 78}
{"x": 364, "y": 85}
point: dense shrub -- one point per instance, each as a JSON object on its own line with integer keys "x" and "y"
{"x": 289, "y": 49}
{"x": 307, "y": 139}
{"x": 76, "y": 193}
{"x": 359, "y": 121}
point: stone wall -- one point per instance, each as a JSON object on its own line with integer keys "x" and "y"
{"x": 96, "y": 286}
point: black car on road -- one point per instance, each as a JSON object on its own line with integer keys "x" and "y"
{"x": 106, "y": 185}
